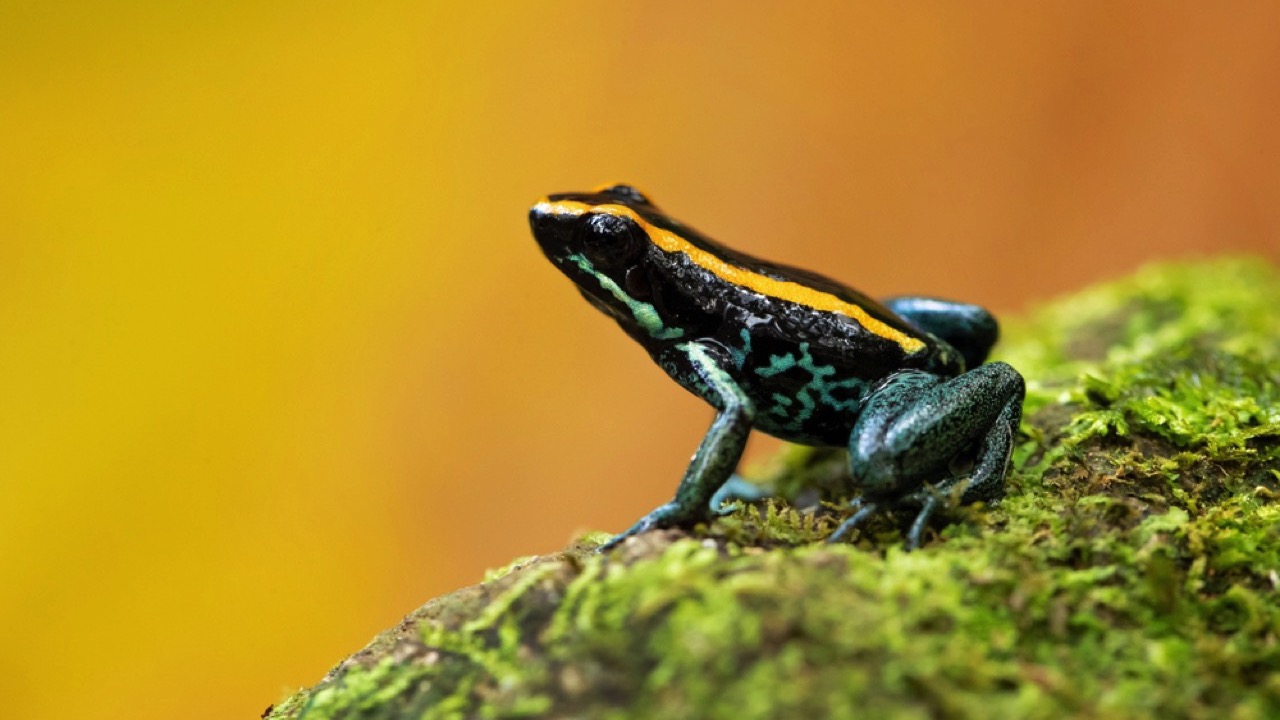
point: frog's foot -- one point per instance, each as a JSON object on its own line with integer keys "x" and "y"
{"x": 971, "y": 329}
{"x": 928, "y": 500}
{"x": 663, "y": 516}
{"x": 673, "y": 515}
{"x": 861, "y": 511}
{"x": 737, "y": 488}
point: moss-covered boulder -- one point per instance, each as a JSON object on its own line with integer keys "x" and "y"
{"x": 1133, "y": 570}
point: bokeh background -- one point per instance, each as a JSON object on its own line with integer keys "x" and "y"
{"x": 279, "y": 360}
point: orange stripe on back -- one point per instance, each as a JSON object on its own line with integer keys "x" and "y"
{"x": 794, "y": 292}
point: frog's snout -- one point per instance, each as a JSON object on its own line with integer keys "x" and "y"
{"x": 553, "y": 230}
{"x": 545, "y": 225}
{"x": 540, "y": 217}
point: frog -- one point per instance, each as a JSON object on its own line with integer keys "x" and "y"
{"x": 902, "y": 383}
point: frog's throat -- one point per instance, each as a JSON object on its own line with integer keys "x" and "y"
{"x": 645, "y": 315}
{"x": 772, "y": 287}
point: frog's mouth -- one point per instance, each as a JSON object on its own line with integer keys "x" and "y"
{"x": 601, "y": 305}
{"x": 621, "y": 306}
{"x": 598, "y": 289}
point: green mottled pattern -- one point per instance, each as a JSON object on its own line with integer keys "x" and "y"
{"x": 817, "y": 392}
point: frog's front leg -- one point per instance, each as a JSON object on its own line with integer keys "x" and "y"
{"x": 914, "y": 424}
{"x": 703, "y": 366}
{"x": 740, "y": 489}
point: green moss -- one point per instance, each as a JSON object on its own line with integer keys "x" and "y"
{"x": 1132, "y": 570}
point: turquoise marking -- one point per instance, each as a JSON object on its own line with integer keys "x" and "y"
{"x": 806, "y": 363}
{"x": 807, "y": 406}
{"x": 824, "y": 388}
{"x": 645, "y": 315}
{"x": 780, "y": 404}
{"x": 739, "y": 355}
{"x": 819, "y": 391}
{"x": 780, "y": 363}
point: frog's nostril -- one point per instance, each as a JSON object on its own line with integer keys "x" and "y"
{"x": 538, "y": 217}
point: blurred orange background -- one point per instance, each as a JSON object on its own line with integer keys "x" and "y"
{"x": 279, "y": 360}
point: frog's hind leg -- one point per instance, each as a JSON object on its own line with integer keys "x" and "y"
{"x": 914, "y": 424}
{"x": 971, "y": 329}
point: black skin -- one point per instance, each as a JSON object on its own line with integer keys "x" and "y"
{"x": 901, "y": 384}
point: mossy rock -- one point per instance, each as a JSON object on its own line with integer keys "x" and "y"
{"x": 1131, "y": 571}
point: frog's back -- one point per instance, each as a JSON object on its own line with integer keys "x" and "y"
{"x": 780, "y": 305}
{"x": 806, "y": 348}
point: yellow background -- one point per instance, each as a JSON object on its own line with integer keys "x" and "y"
{"x": 279, "y": 360}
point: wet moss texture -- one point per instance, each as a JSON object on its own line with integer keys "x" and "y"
{"x": 1133, "y": 569}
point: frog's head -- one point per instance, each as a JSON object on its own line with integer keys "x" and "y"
{"x": 600, "y": 227}
{"x": 598, "y": 239}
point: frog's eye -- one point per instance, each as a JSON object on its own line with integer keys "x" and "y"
{"x": 626, "y": 193}
{"x": 611, "y": 241}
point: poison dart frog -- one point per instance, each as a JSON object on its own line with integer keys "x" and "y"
{"x": 796, "y": 355}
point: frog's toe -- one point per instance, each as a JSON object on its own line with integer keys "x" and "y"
{"x": 737, "y": 488}
{"x": 664, "y": 516}
{"x": 928, "y": 506}
{"x": 612, "y": 542}
{"x": 861, "y": 512}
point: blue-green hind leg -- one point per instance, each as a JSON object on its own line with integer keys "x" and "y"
{"x": 986, "y": 481}
{"x": 971, "y": 329}
{"x": 913, "y": 426}
{"x": 718, "y": 455}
